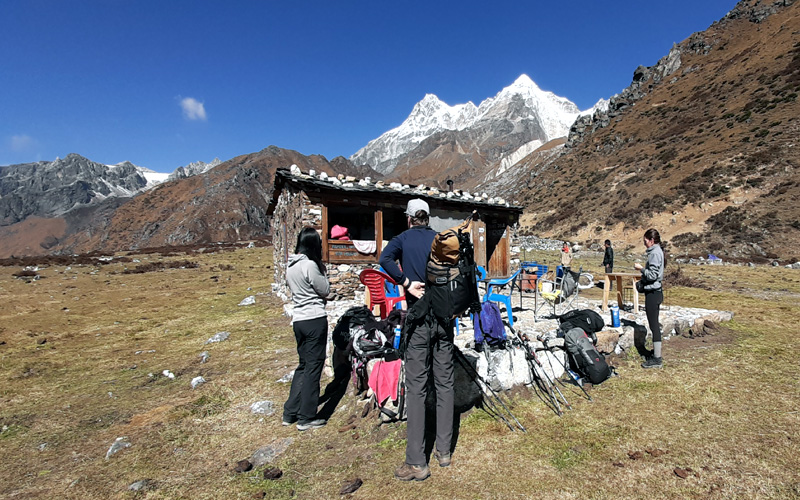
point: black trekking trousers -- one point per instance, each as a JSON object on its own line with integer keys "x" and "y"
{"x": 652, "y": 303}
{"x": 312, "y": 338}
{"x": 429, "y": 353}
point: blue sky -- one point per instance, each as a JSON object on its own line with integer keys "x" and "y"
{"x": 165, "y": 83}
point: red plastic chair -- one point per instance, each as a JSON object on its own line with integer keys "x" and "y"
{"x": 374, "y": 281}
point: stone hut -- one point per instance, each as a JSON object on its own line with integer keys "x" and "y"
{"x": 372, "y": 213}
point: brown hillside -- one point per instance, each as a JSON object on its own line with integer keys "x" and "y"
{"x": 33, "y": 236}
{"x": 445, "y": 155}
{"x": 228, "y": 203}
{"x": 708, "y": 156}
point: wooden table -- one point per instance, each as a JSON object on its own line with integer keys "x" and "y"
{"x": 621, "y": 279}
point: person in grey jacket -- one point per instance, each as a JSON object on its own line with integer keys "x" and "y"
{"x": 652, "y": 275}
{"x": 306, "y": 277}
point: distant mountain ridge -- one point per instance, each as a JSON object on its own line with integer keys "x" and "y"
{"x": 118, "y": 210}
{"x": 194, "y": 168}
{"x": 48, "y": 189}
{"x": 519, "y": 116}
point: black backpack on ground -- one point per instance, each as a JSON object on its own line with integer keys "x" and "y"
{"x": 352, "y": 318}
{"x": 587, "y": 320}
{"x": 584, "y": 357}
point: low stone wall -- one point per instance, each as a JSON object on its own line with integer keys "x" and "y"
{"x": 504, "y": 369}
{"x": 344, "y": 281}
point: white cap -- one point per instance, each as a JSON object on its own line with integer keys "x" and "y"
{"x": 415, "y": 205}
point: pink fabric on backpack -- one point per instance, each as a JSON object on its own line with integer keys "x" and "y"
{"x": 383, "y": 380}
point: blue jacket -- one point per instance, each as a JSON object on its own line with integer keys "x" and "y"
{"x": 411, "y": 249}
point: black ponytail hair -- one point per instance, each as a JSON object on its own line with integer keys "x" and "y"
{"x": 652, "y": 234}
{"x": 310, "y": 245}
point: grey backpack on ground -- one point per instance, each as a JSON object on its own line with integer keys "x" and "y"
{"x": 584, "y": 357}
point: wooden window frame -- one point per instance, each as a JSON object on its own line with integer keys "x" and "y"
{"x": 343, "y": 252}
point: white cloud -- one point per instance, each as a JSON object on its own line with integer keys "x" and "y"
{"x": 193, "y": 109}
{"x": 21, "y": 143}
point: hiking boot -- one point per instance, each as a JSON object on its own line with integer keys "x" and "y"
{"x": 652, "y": 362}
{"x": 443, "y": 458}
{"x": 314, "y": 424}
{"x": 412, "y": 472}
{"x": 288, "y": 421}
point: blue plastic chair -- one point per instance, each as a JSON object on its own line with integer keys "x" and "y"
{"x": 492, "y": 293}
{"x": 541, "y": 272}
{"x": 392, "y": 289}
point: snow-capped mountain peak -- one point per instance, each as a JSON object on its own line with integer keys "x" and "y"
{"x": 530, "y": 110}
{"x": 600, "y": 105}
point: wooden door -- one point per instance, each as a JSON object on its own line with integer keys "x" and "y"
{"x": 479, "y": 242}
{"x": 500, "y": 261}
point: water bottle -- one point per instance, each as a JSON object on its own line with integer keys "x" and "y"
{"x": 397, "y": 331}
{"x": 614, "y": 316}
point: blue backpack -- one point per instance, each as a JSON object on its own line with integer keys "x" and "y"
{"x": 490, "y": 328}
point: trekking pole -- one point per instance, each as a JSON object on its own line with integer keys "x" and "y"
{"x": 489, "y": 393}
{"x": 483, "y": 386}
{"x": 475, "y": 309}
{"x": 571, "y": 374}
{"x": 489, "y": 406}
{"x": 533, "y": 362}
{"x": 563, "y": 398}
{"x": 541, "y": 383}
{"x": 551, "y": 383}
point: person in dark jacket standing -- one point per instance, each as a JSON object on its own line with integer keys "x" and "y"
{"x": 429, "y": 347}
{"x": 652, "y": 276}
{"x": 608, "y": 258}
{"x": 307, "y": 280}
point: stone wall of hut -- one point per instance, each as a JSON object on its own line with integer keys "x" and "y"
{"x": 295, "y": 211}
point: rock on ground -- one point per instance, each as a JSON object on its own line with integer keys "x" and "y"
{"x": 267, "y": 454}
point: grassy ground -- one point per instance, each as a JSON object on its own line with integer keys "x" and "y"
{"x": 77, "y": 348}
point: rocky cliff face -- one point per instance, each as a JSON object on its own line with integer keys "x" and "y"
{"x": 646, "y": 78}
{"x": 48, "y": 189}
{"x": 194, "y": 168}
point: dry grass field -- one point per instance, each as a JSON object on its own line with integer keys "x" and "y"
{"x": 79, "y": 345}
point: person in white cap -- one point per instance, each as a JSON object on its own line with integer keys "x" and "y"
{"x": 411, "y": 249}
{"x": 429, "y": 347}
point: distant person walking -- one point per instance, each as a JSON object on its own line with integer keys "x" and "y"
{"x": 306, "y": 277}
{"x": 650, "y": 285}
{"x": 566, "y": 257}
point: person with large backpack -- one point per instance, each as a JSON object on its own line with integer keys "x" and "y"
{"x": 428, "y": 345}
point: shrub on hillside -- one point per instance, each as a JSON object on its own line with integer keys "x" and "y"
{"x": 158, "y": 266}
{"x": 673, "y": 276}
